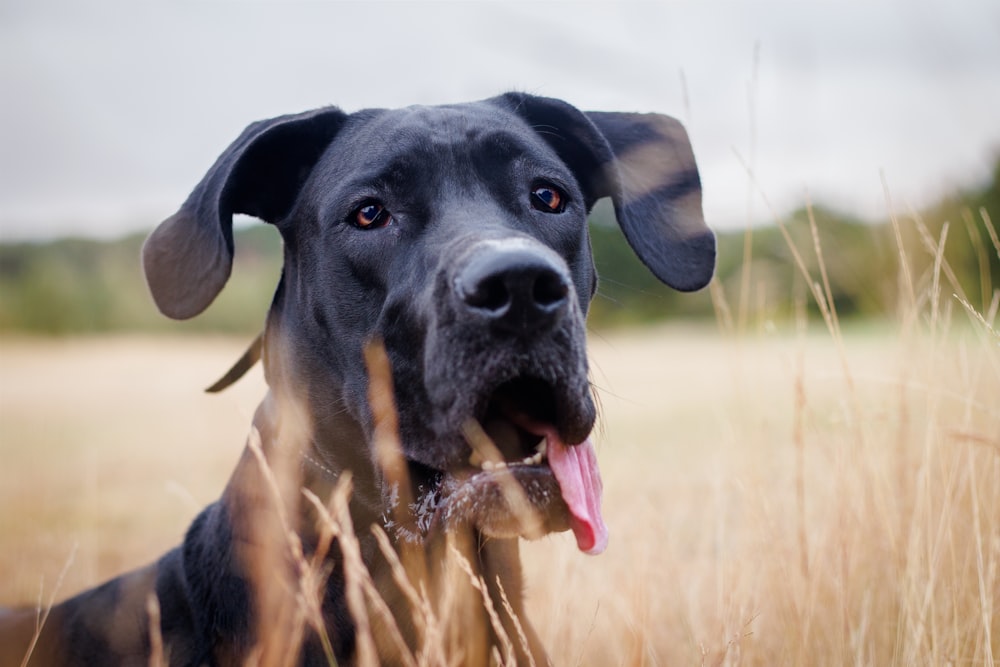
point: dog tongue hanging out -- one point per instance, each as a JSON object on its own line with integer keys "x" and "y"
{"x": 575, "y": 468}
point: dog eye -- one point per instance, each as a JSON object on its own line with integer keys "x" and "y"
{"x": 547, "y": 198}
{"x": 370, "y": 215}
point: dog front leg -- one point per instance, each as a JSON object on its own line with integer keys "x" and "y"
{"x": 501, "y": 567}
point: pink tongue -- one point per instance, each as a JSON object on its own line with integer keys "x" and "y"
{"x": 575, "y": 468}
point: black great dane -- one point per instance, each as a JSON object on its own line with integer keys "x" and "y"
{"x": 456, "y": 237}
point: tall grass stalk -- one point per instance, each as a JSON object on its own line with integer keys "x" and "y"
{"x": 42, "y": 611}
{"x": 898, "y": 541}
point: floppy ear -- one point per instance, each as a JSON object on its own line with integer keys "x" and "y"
{"x": 189, "y": 256}
{"x": 644, "y": 162}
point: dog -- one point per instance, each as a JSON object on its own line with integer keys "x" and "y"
{"x": 449, "y": 244}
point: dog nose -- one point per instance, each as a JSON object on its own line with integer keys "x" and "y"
{"x": 519, "y": 290}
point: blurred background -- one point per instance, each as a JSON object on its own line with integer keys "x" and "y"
{"x": 112, "y": 111}
{"x": 779, "y": 490}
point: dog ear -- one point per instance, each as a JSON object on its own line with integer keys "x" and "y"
{"x": 644, "y": 162}
{"x": 189, "y": 256}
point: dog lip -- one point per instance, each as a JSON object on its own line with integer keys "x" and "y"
{"x": 508, "y": 499}
{"x": 484, "y": 499}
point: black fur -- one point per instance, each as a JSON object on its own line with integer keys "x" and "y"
{"x": 457, "y": 181}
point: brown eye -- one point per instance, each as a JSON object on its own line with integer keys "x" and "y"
{"x": 371, "y": 215}
{"x": 548, "y": 198}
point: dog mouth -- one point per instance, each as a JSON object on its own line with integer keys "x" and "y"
{"x": 524, "y": 476}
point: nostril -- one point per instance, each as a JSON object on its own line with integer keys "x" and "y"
{"x": 489, "y": 294}
{"x": 549, "y": 290}
{"x": 513, "y": 289}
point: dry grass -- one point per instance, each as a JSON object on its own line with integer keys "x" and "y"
{"x": 781, "y": 498}
{"x": 109, "y": 445}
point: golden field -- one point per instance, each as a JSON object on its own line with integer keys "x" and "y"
{"x": 774, "y": 497}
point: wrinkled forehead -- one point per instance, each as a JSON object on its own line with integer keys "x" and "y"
{"x": 423, "y": 137}
{"x": 444, "y": 126}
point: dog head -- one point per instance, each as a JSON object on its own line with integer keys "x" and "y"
{"x": 457, "y": 235}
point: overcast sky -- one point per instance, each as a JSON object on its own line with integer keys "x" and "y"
{"x": 111, "y": 111}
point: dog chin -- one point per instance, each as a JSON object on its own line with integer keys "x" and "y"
{"x": 519, "y": 463}
{"x": 523, "y": 479}
{"x": 497, "y": 498}
{"x": 519, "y": 500}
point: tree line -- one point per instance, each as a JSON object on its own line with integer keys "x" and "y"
{"x": 75, "y": 286}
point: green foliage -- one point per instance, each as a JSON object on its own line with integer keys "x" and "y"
{"x": 82, "y": 286}
{"x": 862, "y": 262}
{"x": 858, "y": 257}
{"x": 76, "y": 286}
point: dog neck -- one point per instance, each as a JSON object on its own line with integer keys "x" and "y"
{"x": 288, "y": 454}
